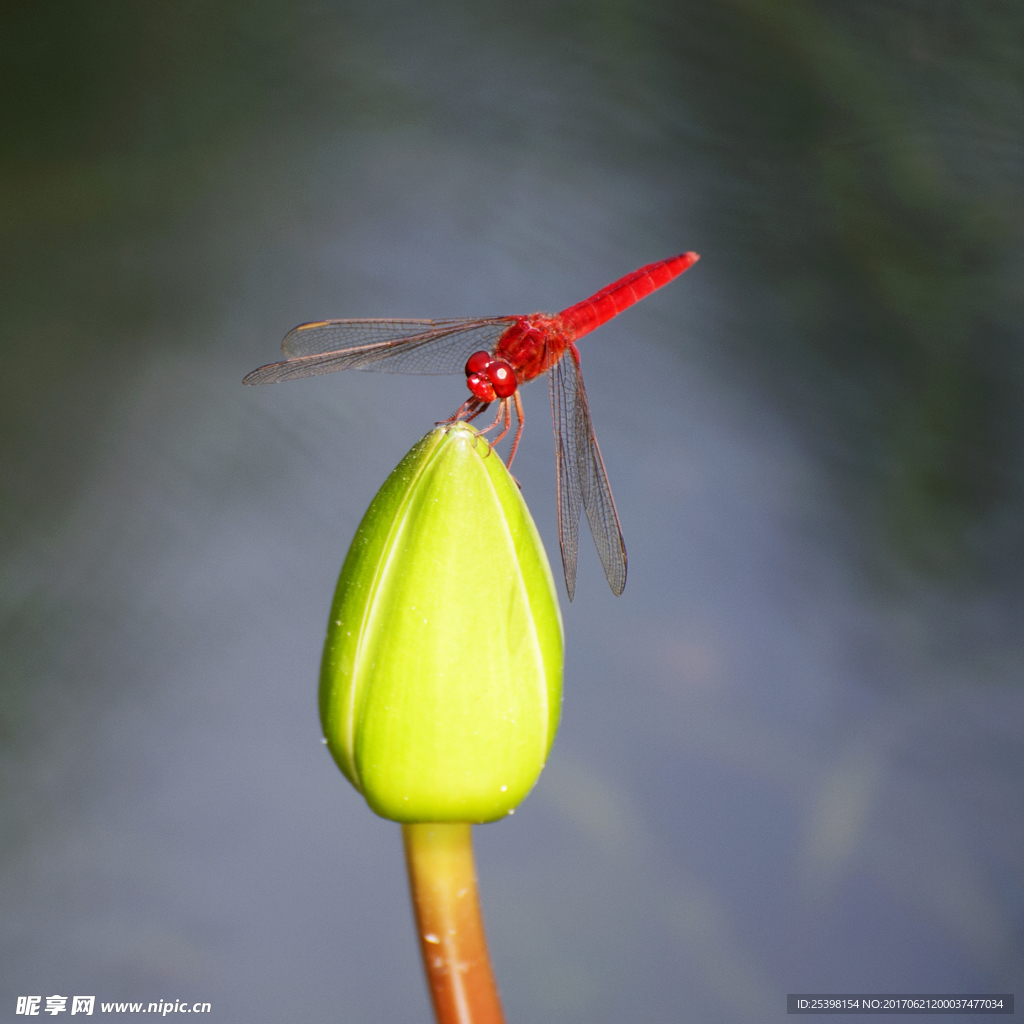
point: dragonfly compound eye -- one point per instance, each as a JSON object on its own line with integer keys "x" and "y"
{"x": 478, "y": 362}
{"x": 503, "y": 377}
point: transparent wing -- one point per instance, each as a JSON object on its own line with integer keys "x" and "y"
{"x": 563, "y": 420}
{"x": 385, "y": 346}
{"x": 582, "y": 480}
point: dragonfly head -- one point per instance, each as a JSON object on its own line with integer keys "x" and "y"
{"x": 489, "y": 378}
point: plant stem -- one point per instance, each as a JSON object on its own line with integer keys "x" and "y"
{"x": 442, "y": 879}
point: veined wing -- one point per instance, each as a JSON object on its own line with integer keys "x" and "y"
{"x": 385, "y": 346}
{"x": 582, "y": 480}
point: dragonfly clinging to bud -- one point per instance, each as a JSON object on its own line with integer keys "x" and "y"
{"x": 498, "y": 355}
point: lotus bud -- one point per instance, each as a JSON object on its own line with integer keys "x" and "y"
{"x": 441, "y": 680}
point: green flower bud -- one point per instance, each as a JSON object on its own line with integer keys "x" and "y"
{"x": 441, "y": 681}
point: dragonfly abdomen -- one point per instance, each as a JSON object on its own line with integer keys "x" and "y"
{"x": 591, "y": 313}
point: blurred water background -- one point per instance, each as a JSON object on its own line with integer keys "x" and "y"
{"x": 792, "y": 753}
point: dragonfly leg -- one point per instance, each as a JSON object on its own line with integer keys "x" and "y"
{"x": 503, "y": 416}
{"x": 498, "y": 419}
{"x": 472, "y": 407}
{"x": 520, "y": 420}
{"x": 469, "y": 410}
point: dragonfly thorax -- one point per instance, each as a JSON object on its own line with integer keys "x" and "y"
{"x": 532, "y": 345}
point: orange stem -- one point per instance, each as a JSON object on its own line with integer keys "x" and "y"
{"x": 451, "y": 929}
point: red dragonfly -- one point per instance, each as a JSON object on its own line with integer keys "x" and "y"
{"x": 498, "y": 353}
